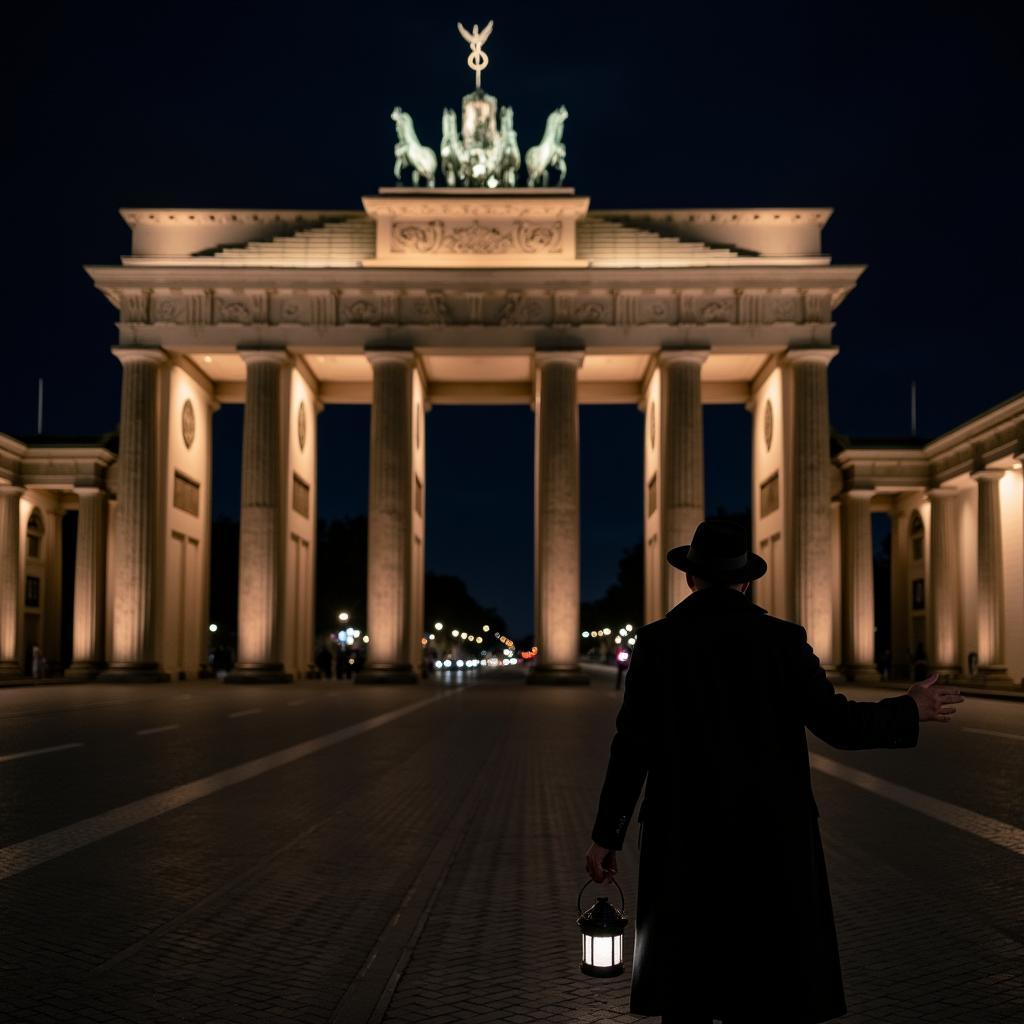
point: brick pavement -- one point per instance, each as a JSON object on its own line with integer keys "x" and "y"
{"x": 428, "y": 871}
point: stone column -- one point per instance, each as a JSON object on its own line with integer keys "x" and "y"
{"x": 89, "y": 627}
{"x": 389, "y": 531}
{"x": 133, "y": 644}
{"x": 990, "y": 577}
{"x": 261, "y": 527}
{"x": 899, "y": 594}
{"x": 944, "y": 602}
{"x": 682, "y": 460}
{"x": 10, "y": 580}
{"x": 808, "y": 466}
{"x": 557, "y": 519}
{"x": 858, "y": 587}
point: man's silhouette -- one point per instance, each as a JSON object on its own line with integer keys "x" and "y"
{"x": 734, "y": 916}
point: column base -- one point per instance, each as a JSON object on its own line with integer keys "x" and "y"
{"x": 133, "y": 672}
{"x": 84, "y": 670}
{"x": 545, "y": 675}
{"x": 271, "y": 673}
{"x": 387, "y": 674}
{"x": 995, "y": 674}
{"x": 861, "y": 674}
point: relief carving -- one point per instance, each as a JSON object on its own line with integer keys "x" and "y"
{"x": 240, "y": 309}
{"x": 476, "y": 238}
{"x": 179, "y": 308}
{"x": 524, "y": 309}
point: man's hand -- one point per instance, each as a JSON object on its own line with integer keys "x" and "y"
{"x": 934, "y": 703}
{"x": 601, "y": 865}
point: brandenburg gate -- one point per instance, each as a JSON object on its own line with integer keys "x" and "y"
{"x": 465, "y": 296}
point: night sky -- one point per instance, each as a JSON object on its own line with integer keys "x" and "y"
{"x": 903, "y": 117}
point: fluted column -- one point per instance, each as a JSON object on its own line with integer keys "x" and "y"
{"x": 990, "y": 576}
{"x": 389, "y": 530}
{"x": 261, "y": 527}
{"x": 88, "y": 629}
{"x": 10, "y": 579}
{"x": 133, "y": 642}
{"x": 808, "y": 515}
{"x": 682, "y": 460}
{"x": 557, "y": 519}
{"x": 858, "y": 586}
{"x": 944, "y": 584}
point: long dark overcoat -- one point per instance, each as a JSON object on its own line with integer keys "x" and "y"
{"x": 734, "y": 915}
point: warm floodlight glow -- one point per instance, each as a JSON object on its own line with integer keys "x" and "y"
{"x": 343, "y": 616}
{"x": 438, "y": 625}
{"x": 455, "y": 632}
{"x": 213, "y": 627}
{"x": 487, "y": 629}
{"x": 366, "y": 639}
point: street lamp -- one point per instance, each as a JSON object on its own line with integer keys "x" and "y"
{"x": 343, "y": 616}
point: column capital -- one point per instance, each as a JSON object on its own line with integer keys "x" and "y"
{"x": 264, "y": 355}
{"x": 696, "y": 355}
{"x": 988, "y": 473}
{"x": 861, "y": 492}
{"x": 86, "y": 490}
{"x": 569, "y": 356}
{"x": 405, "y": 356}
{"x": 8, "y": 489}
{"x": 139, "y": 354}
{"x": 806, "y": 354}
{"x": 939, "y": 493}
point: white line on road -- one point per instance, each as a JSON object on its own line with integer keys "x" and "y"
{"x": 993, "y": 732}
{"x": 250, "y": 711}
{"x": 28, "y": 853}
{"x": 979, "y": 825}
{"x": 41, "y": 750}
{"x": 156, "y": 728}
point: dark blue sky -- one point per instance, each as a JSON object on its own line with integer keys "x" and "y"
{"x": 903, "y": 117}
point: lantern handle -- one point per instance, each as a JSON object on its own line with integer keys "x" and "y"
{"x": 588, "y": 882}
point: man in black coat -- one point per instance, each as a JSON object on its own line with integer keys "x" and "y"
{"x": 734, "y": 916}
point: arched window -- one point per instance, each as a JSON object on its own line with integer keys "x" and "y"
{"x": 35, "y": 534}
{"x": 916, "y": 537}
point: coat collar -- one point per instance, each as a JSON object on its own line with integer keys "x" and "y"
{"x": 715, "y": 601}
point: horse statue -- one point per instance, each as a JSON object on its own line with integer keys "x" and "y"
{"x": 453, "y": 153}
{"x": 410, "y": 152}
{"x": 510, "y": 162}
{"x": 549, "y": 152}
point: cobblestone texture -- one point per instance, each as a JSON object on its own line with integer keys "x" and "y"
{"x": 428, "y": 870}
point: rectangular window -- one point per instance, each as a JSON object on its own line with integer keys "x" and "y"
{"x": 300, "y": 495}
{"x": 419, "y": 495}
{"x": 33, "y": 545}
{"x": 918, "y": 594}
{"x": 652, "y": 493}
{"x": 917, "y": 543}
{"x": 770, "y": 495}
{"x": 186, "y": 494}
{"x": 31, "y": 591}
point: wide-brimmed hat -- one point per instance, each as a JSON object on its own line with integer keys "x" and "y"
{"x": 718, "y": 553}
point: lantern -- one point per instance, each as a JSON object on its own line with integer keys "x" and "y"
{"x": 602, "y": 927}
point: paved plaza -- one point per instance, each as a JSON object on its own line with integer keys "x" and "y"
{"x": 328, "y": 852}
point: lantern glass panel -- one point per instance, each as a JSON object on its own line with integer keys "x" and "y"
{"x": 603, "y": 949}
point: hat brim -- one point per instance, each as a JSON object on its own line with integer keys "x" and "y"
{"x": 755, "y": 568}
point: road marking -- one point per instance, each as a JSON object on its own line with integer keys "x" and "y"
{"x": 41, "y": 750}
{"x": 993, "y": 732}
{"x": 28, "y": 853}
{"x": 156, "y": 728}
{"x": 979, "y": 825}
{"x": 250, "y": 711}
{"x": 295, "y": 703}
